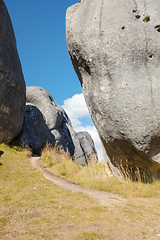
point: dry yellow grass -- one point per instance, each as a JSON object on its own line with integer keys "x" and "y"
{"x": 94, "y": 176}
{"x": 33, "y": 208}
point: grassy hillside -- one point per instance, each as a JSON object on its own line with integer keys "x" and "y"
{"x": 32, "y": 207}
{"x": 94, "y": 176}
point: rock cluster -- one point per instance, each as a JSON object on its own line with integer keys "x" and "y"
{"x": 115, "y": 50}
{"x": 45, "y": 121}
{"x": 12, "y": 85}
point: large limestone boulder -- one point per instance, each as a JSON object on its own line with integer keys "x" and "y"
{"x": 115, "y": 50}
{"x": 45, "y": 121}
{"x": 12, "y": 85}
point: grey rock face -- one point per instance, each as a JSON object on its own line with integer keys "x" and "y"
{"x": 115, "y": 50}
{"x": 45, "y": 122}
{"x": 40, "y": 98}
{"x": 35, "y": 131}
{"x": 87, "y": 145}
{"x": 12, "y": 85}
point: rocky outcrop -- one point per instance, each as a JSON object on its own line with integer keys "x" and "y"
{"x": 115, "y": 50}
{"x": 87, "y": 145}
{"x": 12, "y": 85}
{"x": 46, "y": 122}
{"x": 35, "y": 133}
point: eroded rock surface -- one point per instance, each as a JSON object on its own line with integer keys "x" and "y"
{"x": 115, "y": 50}
{"x": 12, "y": 85}
{"x": 45, "y": 121}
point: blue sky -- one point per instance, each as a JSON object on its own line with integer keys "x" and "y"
{"x": 39, "y": 28}
{"x": 40, "y": 33}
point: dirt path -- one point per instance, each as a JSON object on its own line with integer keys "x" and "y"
{"x": 105, "y": 198}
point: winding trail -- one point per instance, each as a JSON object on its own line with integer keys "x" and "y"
{"x": 105, "y": 198}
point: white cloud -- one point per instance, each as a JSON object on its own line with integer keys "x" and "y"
{"x": 77, "y": 111}
{"x": 76, "y": 107}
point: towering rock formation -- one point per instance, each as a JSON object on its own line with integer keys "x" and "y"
{"x": 12, "y": 85}
{"x": 115, "y": 50}
{"x": 45, "y": 121}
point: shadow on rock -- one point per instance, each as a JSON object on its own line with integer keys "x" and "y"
{"x": 46, "y": 122}
{"x": 1, "y": 153}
